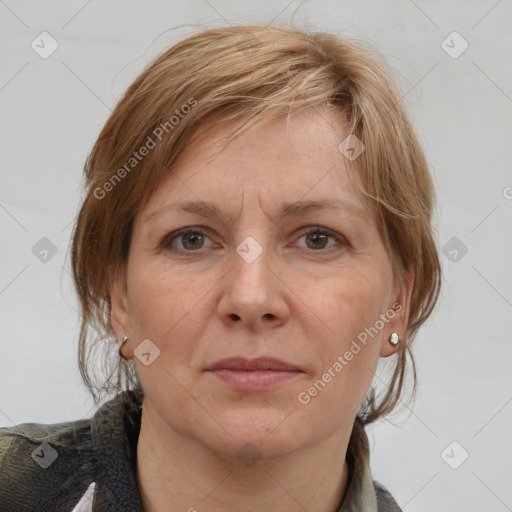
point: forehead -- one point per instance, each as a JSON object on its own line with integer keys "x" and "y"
{"x": 286, "y": 160}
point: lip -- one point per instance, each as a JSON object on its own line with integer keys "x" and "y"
{"x": 260, "y": 363}
{"x": 257, "y": 374}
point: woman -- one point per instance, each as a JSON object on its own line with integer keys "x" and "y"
{"x": 256, "y": 234}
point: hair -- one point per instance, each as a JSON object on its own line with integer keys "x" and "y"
{"x": 248, "y": 76}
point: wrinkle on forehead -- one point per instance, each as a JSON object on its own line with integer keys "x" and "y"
{"x": 305, "y": 148}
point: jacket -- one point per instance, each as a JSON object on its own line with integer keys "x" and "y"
{"x": 89, "y": 465}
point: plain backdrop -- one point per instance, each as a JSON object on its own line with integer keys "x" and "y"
{"x": 452, "y": 61}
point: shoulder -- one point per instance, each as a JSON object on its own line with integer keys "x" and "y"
{"x": 385, "y": 501}
{"x": 45, "y": 466}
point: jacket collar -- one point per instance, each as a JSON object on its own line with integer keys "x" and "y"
{"x": 115, "y": 431}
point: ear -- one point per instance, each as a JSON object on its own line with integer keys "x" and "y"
{"x": 398, "y": 322}
{"x": 120, "y": 316}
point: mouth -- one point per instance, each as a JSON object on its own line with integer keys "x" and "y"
{"x": 254, "y": 374}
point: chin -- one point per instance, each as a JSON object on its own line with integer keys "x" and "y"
{"x": 264, "y": 433}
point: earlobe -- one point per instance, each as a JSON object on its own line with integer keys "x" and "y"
{"x": 390, "y": 344}
{"x": 119, "y": 310}
{"x": 395, "y": 334}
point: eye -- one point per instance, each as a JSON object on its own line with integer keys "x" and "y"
{"x": 188, "y": 240}
{"x": 318, "y": 238}
{"x": 193, "y": 239}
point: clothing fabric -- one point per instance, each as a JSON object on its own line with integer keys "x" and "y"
{"x": 90, "y": 465}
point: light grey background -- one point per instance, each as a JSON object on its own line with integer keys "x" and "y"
{"x": 53, "y": 109}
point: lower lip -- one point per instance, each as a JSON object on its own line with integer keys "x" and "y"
{"x": 252, "y": 380}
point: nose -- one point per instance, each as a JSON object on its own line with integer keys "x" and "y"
{"x": 253, "y": 294}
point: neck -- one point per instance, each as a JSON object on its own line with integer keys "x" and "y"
{"x": 178, "y": 473}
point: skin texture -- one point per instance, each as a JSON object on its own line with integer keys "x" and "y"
{"x": 303, "y": 300}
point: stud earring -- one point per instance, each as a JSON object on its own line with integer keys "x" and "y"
{"x": 394, "y": 339}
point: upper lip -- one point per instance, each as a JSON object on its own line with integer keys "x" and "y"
{"x": 260, "y": 363}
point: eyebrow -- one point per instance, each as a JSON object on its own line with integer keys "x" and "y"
{"x": 293, "y": 209}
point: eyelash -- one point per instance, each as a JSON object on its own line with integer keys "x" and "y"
{"x": 317, "y": 230}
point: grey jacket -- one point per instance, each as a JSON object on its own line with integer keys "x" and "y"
{"x": 90, "y": 466}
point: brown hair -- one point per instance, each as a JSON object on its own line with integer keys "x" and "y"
{"x": 249, "y": 75}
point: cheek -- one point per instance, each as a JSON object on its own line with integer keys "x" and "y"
{"x": 166, "y": 304}
{"x": 352, "y": 301}
{"x": 349, "y": 308}
{"x": 347, "y": 354}
{"x": 169, "y": 309}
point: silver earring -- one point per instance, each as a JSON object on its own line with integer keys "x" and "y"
{"x": 123, "y": 341}
{"x": 394, "y": 339}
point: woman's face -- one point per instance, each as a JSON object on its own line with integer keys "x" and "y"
{"x": 255, "y": 281}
